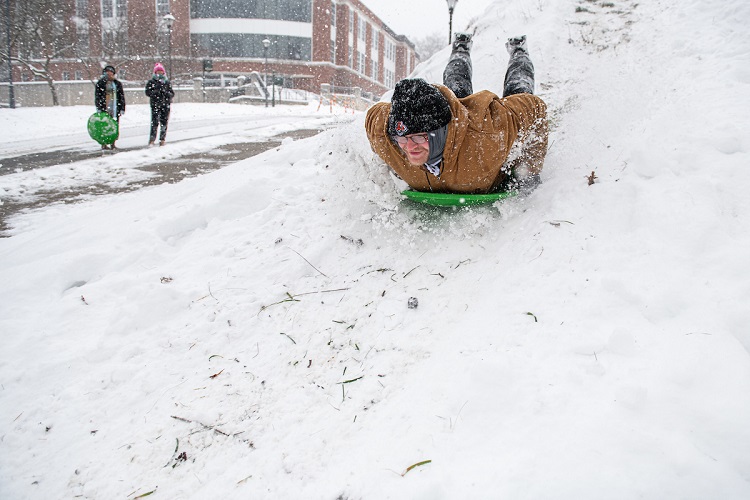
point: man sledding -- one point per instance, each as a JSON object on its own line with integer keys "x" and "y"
{"x": 447, "y": 139}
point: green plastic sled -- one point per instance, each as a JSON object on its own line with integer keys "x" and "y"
{"x": 103, "y": 128}
{"x": 456, "y": 200}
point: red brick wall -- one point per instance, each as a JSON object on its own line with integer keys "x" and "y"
{"x": 141, "y": 27}
{"x": 342, "y": 35}
{"x": 321, "y": 39}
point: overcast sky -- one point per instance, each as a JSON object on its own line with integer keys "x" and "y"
{"x": 418, "y": 18}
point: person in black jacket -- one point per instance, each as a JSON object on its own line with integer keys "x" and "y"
{"x": 109, "y": 97}
{"x": 160, "y": 92}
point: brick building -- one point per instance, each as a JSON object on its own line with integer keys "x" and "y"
{"x": 312, "y": 42}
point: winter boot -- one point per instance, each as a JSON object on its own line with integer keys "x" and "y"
{"x": 516, "y": 43}
{"x": 462, "y": 42}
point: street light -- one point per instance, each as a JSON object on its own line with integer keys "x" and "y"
{"x": 168, "y": 22}
{"x": 451, "y": 6}
{"x": 266, "y": 43}
{"x": 11, "y": 92}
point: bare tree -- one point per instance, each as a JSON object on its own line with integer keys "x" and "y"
{"x": 430, "y": 44}
{"x": 39, "y": 37}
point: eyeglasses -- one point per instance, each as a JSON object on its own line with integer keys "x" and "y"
{"x": 416, "y": 139}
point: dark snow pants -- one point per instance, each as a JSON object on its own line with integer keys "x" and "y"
{"x": 457, "y": 73}
{"x": 519, "y": 77}
{"x": 159, "y": 116}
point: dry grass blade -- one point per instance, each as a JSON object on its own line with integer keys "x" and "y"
{"x": 207, "y": 427}
{"x": 293, "y": 298}
{"x": 303, "y": 258}
{"x": 418, "y": 464}
{"x": 289, "y": 299}
{"x": 145, "y": 494}
{"x": 351, "y": 380}
{"x": 287, "y": 336}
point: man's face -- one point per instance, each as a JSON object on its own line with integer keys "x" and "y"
{"x": 110, "y": 75}
{"x": 416, "y": 147}
{"x": 160, "y": 72}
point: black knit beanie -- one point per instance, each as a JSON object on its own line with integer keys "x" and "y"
{"x": 417, "y": 106}
{"x": 109, "y": 67}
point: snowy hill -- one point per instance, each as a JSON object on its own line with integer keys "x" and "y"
{"x": 245, "y": 334}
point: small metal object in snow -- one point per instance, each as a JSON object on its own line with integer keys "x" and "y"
{"x": 412, "y": 303}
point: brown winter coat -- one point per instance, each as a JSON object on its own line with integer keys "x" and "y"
{"x": 477, "y": 157}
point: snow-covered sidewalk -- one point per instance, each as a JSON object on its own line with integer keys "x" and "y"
{"x": 82, "y": 170}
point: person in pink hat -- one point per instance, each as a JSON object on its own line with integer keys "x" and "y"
{"x": 160, "y": 92}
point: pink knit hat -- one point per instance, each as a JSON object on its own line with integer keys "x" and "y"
{"x": 158, "y": 67}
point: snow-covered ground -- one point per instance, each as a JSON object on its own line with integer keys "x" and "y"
{"x": 245, "y": 334}
{"x": 194, "y": 129}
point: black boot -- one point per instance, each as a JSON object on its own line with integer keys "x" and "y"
{"x": 462, "y": 42}
{"x": 516, "y": 43}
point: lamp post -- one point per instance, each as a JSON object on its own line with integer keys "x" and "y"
{"x": 266, "y": 43}
{"x": 168, "y": 22}
{"x": 208, "y": 65}
{"x": 11, "y": 91}
{"x": 451, "y": 6}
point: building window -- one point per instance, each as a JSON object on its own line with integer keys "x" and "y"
{"x": 122, "y": 8}
{"x": 375, "y": 70}
{"x": 388, "y": 77}
{"x": 162, "y": 7}
{"x": 361, "y": 63}
{"x": 280, "y": 10}
{"x": 66, "y": 75}
{"x": 79, "y": 75}
{"x": 115, "y": 41}
{"x": 362, "y": 29}
{"x": 82, "y": 27}
{"x": 390, "y": 50}
{"x": 375, "y": 39}
{"x": 333, "y": 15}
{"x": 351, "y": 57}
{"x": 333, "y": 51}
{"x": 351, "y": 21}
{"x": 82, "y": 9}
{"x": 107, "y": 9}
{"x": 114, "y": 8}
{"x": 82, "y": 39}
{"x": 251, "y": 45}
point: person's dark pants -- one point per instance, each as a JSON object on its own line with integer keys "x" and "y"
{"x": 457, "y": 74}
{"x": 159, "y": 116}
{"x": 519, "y": 76}
{"x": 519, "y": 79}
